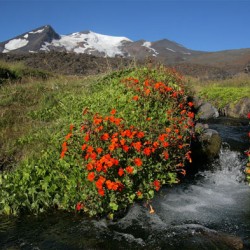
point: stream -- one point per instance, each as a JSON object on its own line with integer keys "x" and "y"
{"x": 209, "y": 209}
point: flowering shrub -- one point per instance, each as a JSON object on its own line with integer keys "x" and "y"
{"x": 128, "y": 158}
{"x": 133, "y": 137}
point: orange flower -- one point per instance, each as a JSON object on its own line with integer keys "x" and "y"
{"x": 122, "y": 141}
{"x": 90, "y": 167}
{"x": 191, "y": 114}
{"x": 90, "y": 149}
{"x": 68, "y": 136}
{"x": 97, "y": 121}
{"x": 112, "y": 147}
{"x": 157, "y": 185}
{"x": 100, "y": 182}
{"x": 165, "y": 144}
{"x": 157, "y": 85}
{"x": 162, "y": 137}
{"x": 138, "y": 162}
{"x": 113, "y": 111}
{"x": 147, "y": 91}
{"x": 101, "y": 192}
{"x": 156, "y": 144}
{"x": 190, "y": 104}
{"x": 129, "y": 169}
{"x": 99, "y": 150}
{"x": 168, "y": 130}
{"x": 86, "y": 138}
{"x": 248, "y": 171}
{"x": 146, "y": 83}
{"x": 109, "y": 184}
{"x": 125, "y": 148}
{"x": 84, "y": 146}
{"x": 137, "y": 145}
{"x": 147, "y": 151}
{"x": 120, "y": 172}
{"x": 135, "y": 98}
{"x": 105, "y": 137}
{"x": 64, "y": 145}
{"x": 166, "y": 155}
{"x": 79, "y": 206}
{"x": 91, "y": 176}
{"x": 140, "y": 134}
{"x": 62, "y": 154}
{"x": 139, "y": 193}
{"x": 71, "y": 127}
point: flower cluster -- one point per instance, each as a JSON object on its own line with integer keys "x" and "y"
{"x": 128, "y": 159}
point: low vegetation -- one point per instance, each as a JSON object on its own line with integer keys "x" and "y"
{"x": 222, "y": 92}
{"x": 10, "y": 72}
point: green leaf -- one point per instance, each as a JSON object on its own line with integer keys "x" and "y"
{"x": 113, "y": 206}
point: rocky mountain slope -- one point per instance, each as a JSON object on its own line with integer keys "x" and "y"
{"x": 45, "y": 39}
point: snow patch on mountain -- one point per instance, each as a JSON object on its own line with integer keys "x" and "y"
{"x": 171, "y": 49}
{"x": 148, "y": 45}
{"x": 37, "y": 31}
{"x": 26, "y": 36}
{"x": 85, "y": 42}
{"x": 15, "y": 44}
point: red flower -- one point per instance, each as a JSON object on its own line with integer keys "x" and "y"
{"x": 147, "y": 91}
{"x": 113, "y": 111}
{"x": 157, "y": 185}
{"x": 62, "y": 154}
{"x": 105, "y": 137}
{"x": 139, "y": 193}
{"x": 79, "y": 206}
{"x": 91, "y": 176}
{"x": 68, "y": 136}
{"x": 191, "y": 114}
{"x": 84, "y": 147}
{"x": 138, "y": 162}
{"x": 71, "y": 127}
{"x": 135, "y": 98}
{"x": 86, "y": 138}
{"x": 120, "y": 172}
{"x": 147, "y": 151}
{"x": 190, "y": 104}
{"x": 248, "y": 115}
{"x": 166, "y": 155}
{"x": 140, "y": 134}
{"x": 130, "y": 169}
{"x": 99, "y": 150}
{"x": 137, "y": 145}
{"x": 125, "y": 148}
{"x": 100, "y": 182}
{"x": 101, "y": 192}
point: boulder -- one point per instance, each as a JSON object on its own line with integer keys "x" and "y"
{"x": 206, "y": 111}
{"x": 237, "y": 110}
{"x": 207, "y": 144}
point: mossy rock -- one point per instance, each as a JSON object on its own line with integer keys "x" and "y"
{"x": 239, "y": 109}
{"x": 207, "y": 145}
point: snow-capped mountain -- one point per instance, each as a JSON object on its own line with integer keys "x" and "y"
{"x": 46, "y": 39}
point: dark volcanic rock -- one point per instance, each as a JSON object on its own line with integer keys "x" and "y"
{"x": 207, "y": 144}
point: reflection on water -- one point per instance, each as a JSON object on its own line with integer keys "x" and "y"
{"x": 210, "y": 210}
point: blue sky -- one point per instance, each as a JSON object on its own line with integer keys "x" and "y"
{"x": 200, "y": 25}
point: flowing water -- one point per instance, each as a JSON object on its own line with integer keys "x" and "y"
{"x": 208, "y": 210}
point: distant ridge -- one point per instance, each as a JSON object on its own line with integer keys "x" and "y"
{"x": 46, "y": 39}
